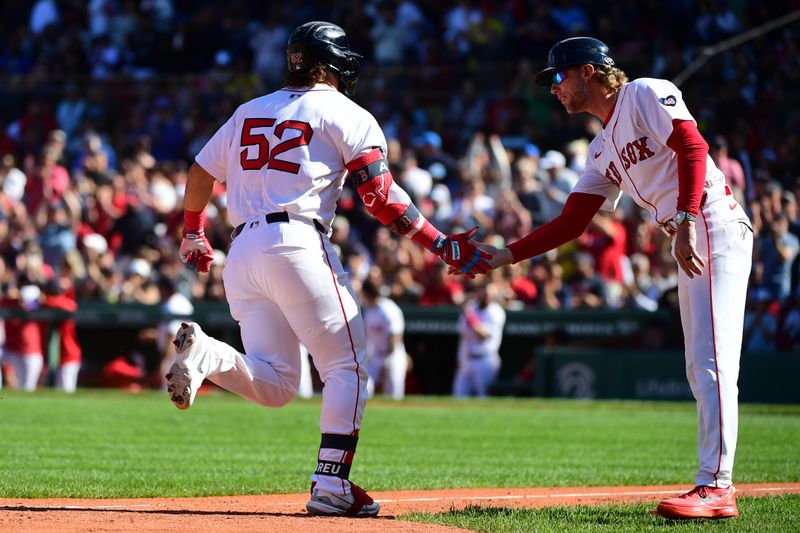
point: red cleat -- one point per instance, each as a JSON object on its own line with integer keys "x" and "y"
{"x": 701, "y": 502}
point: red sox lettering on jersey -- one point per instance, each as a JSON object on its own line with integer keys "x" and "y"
{"x": 632, "y": 153}
{"x": 613, "y": 175}
{"x": 650, "y": 148}
{"x": 635, "y": 151}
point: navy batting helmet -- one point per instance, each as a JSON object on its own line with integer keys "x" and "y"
{"x": 327, "y": 44}
{"x": 574, "y": 51}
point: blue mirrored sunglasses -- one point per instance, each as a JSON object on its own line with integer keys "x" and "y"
{"x": 559, "y": 76}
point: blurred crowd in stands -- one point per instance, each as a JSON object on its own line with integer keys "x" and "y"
{"x": 106, "y": 102}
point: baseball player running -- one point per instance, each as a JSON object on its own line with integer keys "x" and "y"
{"x": 650, "y": 148}
{"x": 387, "y": 361}
{"x": 284, "y": 157}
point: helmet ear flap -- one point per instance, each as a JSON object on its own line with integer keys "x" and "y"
{"x": 348, "y": 75}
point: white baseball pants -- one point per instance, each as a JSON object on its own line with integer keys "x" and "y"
{"x": 285, "y": 285}
{"x": 475, "y": 376}
{"x": 306, "y": 388}
{"x": 712, "y": 315}
{"x": 390, "y": 371}
{"x": 67, "y": 376}
{"x": 28, "y": 369}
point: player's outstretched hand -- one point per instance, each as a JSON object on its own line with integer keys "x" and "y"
{"x": 195, "y": 251}
{"x": 460, "y": 252}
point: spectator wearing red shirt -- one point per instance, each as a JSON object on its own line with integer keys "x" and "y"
{"x": 23, "y": 342}
{"x": 524, "y": 289}
{"x": 59, "y": 294}
{"x": 641, "y": 237}
{"x": 513, "y": 287}
{"x": 605, "y": 239}
{"x": 47, "y": 180}
{"x": 441, "y": 288}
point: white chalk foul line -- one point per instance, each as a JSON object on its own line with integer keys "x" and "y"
{"x": 533, "y": 496}
{"x": 562, "y": 495}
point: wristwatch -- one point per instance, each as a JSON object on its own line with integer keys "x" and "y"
{"x": 683, "y": 216}
{"x": 679, "y": 218}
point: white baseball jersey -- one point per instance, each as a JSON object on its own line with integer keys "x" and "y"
{"x": 286, "y": 152}
{"x": 478, "y": 359}
{"x": 493, "y": 318}
{"x": 285, "y": 285}
{"x": 387, "y": 365}
{"x": 631, "y": 153}
{"x": 382, "y": 321}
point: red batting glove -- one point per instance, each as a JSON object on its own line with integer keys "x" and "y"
{"x": 195, "y": 251}
{"x": 461, "y": 254}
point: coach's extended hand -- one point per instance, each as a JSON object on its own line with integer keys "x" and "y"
{"x": 497, "y": 256}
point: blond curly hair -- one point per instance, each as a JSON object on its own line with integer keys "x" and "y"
{"x": 611, "y": 78}
{"x": 307, "y": 78}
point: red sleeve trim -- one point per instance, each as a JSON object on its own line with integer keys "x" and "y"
{"x": 576, "y": 215}
{"x": 692, "y": 151}
{"x": 364, "y": 160}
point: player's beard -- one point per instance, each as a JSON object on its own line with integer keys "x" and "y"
{"x": 577, "y": 101}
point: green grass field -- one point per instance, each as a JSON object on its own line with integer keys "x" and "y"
{"x": 758, "y": 515}
{"x": 109, "y": 444}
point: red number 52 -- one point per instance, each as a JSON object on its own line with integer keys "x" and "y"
{"x": 265, "y": 156}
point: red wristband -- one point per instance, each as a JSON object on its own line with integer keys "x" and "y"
{"x": 472, "y": 319}
{"x": 428, "y": 236}
{"x": 194, "y": 220}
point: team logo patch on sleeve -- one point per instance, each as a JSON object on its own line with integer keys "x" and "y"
{"x": 372, "y": 170}
{"x": 361, "y": 176}
{"x": 668, "y": 101}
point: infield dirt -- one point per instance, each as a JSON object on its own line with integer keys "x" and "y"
{"x": 286, "y": 512}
